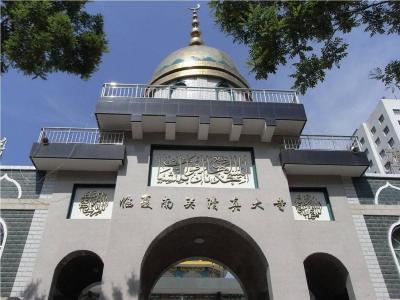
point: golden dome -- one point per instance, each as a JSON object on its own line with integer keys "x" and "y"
{"x": 197, "y": 60}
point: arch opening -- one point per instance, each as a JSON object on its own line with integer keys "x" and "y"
{"x": 198, "y": 278}
{"x": 218, "y": 241}
{"x": 394, "y": 243}
{"x": 76, "y": 275}
{"x": 3, "y": 235}
{"x": 327, "y": 278}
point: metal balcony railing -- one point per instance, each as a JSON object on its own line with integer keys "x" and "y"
{"x": 119, "y": 90}
{"x": 65, "y": 135}
{"x": 321, "y": 142}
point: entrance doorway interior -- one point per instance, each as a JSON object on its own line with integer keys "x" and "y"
{"x": 214, "y": 239}
{"x": 327, "y": 278}
{"x": 197, "y": 279}
{"x": 75, "y": 274}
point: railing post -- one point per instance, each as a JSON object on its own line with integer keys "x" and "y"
{"x": 40, "y": 135}
{"x": 69, "y": 132}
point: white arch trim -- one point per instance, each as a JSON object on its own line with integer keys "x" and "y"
{"x": 387, "y": 185}
{"x": 6, "y": 177}
{"x": 390, "y": 232}
{"x": 4, "y": 225}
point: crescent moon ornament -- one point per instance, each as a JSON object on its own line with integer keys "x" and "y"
{"x": 195, "y": 9}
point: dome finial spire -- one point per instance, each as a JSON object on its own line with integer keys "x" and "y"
{"x": 196, "y": 33}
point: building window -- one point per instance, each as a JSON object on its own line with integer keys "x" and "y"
{"x": 373, "y": 130}
{"x": 382, "y": 153}
{"x": 396, "y": 243}
{"x": 3, "y": 235}
{"x": 381, "y": 119}
{"x": 386, "y": 130}
{"x": 391, "y": 142}
{"x": 366, "y": 151}
{"x": 378, "y": 141}
{"x": 362, "y": 141}
{"x": 396, "y": 111}
{"x": 387, "y": 166}
{"x": 371, "y": 163}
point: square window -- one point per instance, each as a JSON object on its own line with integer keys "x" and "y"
{"x": 382, "y": 154}
{"x": 396, "y": 111}
{"x": 378, "y": 141}
{"x": 311, "y": 204}
{"x": 381, "y": 119}
{"x": 373, "y": 130}
{"x": 362, "y": 141}
{"x": 391, "y": 142}
{"x": 386, "y": 130}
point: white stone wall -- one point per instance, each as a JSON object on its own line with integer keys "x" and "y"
{"x": 27, "y": 262}
{"x": 370, "y": 258}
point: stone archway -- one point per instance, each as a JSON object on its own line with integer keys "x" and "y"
{"x": 207, "y": 237}
{"x": 75, "y": 272}
{"x": 327, "y": 278}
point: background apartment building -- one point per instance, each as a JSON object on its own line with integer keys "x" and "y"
{"x": 379, "y": 136}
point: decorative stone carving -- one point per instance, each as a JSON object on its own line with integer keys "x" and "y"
{"x": 93, "y": 203}
{"x": 202, "y": 168}
{"x": 308, "y": 206}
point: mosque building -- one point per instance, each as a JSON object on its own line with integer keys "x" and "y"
{"x": 196, "y": 186}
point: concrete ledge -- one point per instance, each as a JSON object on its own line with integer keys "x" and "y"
{"x": 378, "y": 210}
{"x": 74, "y": 156}
{"x": 29, "y": 204}
{"x": 324, "y": 162}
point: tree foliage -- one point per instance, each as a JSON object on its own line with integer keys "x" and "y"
{"x": 309, "y": 34}
{"x": 41, "y": 37}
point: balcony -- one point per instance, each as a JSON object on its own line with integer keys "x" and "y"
{"x": 85, "y": 149}
{"x": 142, "y": 91}
{"x": 199, "y": 110}
{"x": 323, "y": 155}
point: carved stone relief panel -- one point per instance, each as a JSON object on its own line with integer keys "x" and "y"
{"x": 203, "y": 168}
{"x": 92, "y": 202}
{"x": 311, "y": 205}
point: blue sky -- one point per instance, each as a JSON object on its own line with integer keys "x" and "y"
{"x": 140, "y": 35}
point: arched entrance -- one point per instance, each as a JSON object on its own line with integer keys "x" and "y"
{"x": 212, "y": 238}
{"x": 74, "y": 274}
{"x": 198, "y": 278}
{"x": 327, "y": 278}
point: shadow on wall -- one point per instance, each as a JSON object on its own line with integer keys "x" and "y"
{"x": 31, "y": 292}
{"x": 132, "y": 285}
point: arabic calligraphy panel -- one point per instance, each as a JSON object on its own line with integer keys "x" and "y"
{"x": 202, "y": 168}
{"x": 310, "y": 205}
{"x": 92, "y": 202}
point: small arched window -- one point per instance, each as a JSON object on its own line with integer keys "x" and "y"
{"x": 224, "y": 91}
{"x": 3, "y": 235}
{"x": 396, "y": 242}
{"x": 177, "y": 89}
